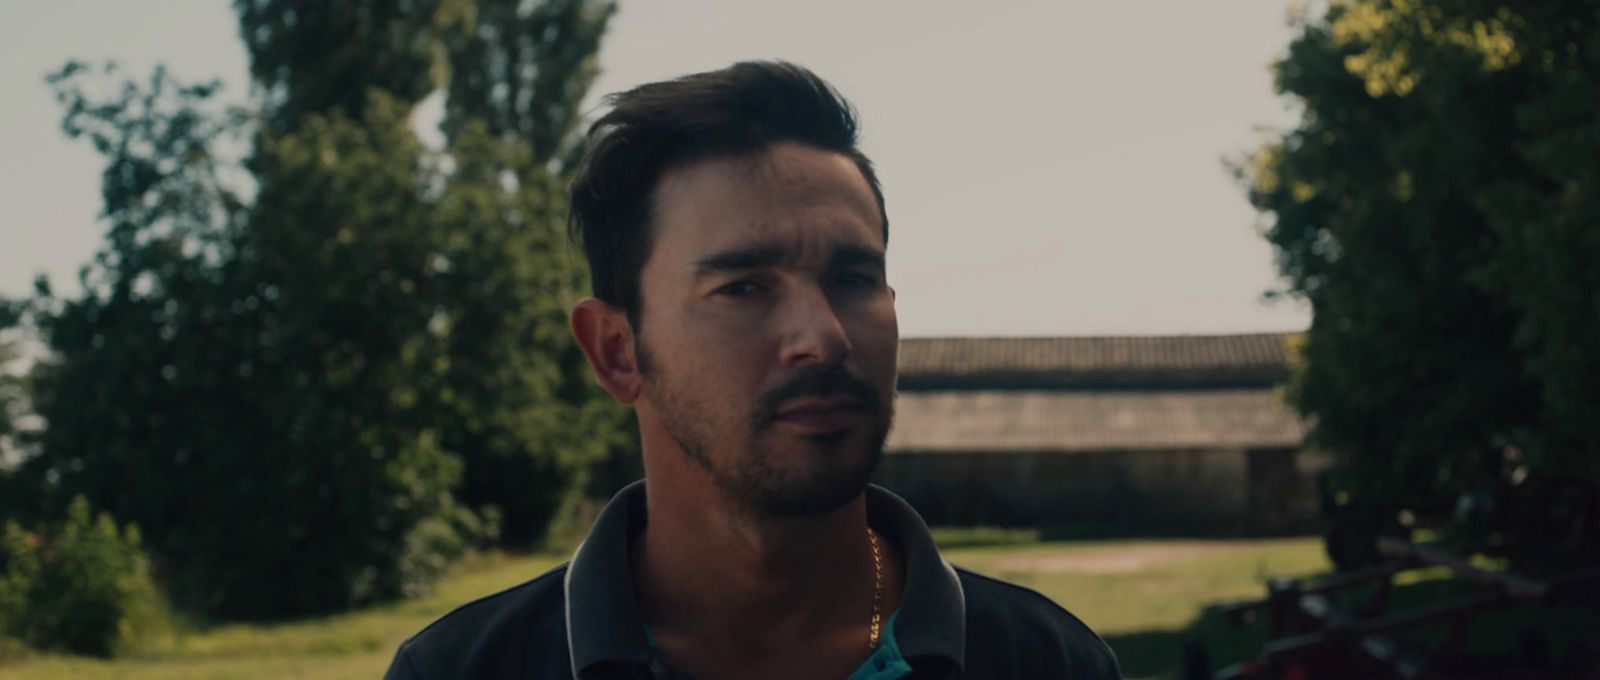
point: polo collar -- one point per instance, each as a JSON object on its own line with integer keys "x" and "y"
{"x": 603, "y": 621}
{"x": 604, "y": 625}
{"x": 932, "y": 622}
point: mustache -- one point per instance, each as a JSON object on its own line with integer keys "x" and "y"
{"x": 817, "y": 381}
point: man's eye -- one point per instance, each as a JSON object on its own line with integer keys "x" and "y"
{"x": 855, "y": 280}
{"x": 740, "y": 289}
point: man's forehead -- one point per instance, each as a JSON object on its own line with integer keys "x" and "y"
{"x": 773, "y": 253}
{"x": 797, "y": 171}
{"x": 780, "y": 161}
{"x": 805, "y": 243}
{"x": 786, "y": 205}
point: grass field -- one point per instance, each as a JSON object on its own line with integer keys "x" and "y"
{"x": 1147, "y": 598}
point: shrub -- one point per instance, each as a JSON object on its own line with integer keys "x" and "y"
{"x": 82, "y": 586}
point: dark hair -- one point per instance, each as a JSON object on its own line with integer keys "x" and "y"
{"x": 739, "y": 110}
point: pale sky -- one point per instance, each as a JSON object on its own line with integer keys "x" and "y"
{"x": 1050, "y": 168}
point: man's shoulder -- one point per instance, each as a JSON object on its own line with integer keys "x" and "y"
{"x": 1010, "y": 625}
{"x": 512, "y": 633}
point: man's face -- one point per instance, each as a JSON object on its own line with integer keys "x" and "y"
{"x": 767, "y": 335}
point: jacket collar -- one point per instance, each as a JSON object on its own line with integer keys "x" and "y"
{"x": 604, "y": 625}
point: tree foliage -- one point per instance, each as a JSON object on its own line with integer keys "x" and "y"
{"x": 13, "y": 396}
{"x": 305, "y": 326}
{"x": 522, "y": 72}
{"x": 1437, "y": 206}
{"x": 519, "y": 73}
{"x": 310, "y": 57}
{"x": 13, "y": 407}
{"x": 82, "y": 585}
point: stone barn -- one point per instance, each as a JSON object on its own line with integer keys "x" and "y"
{"x": 1171, "y": 435}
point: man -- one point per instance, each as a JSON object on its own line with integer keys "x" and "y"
{"x": 736, "y": 238}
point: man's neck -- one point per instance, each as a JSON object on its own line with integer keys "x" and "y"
{"x": 708, "y": 563}
{"x": 714, "y": 579}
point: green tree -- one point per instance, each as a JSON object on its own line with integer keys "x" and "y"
{"x": 13, "y": 405}
{"x": 1435, "y": 205}
{"x": 80, "y": 585}
{"x": 284, "y": 358}
{"x": 310, "y": 57}
{"x": 522, "y": 410}
{"x": 522, "y": 72}
{"x": 13, "y": 395}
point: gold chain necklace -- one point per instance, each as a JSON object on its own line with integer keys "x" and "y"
{"x": 877, "y": 590}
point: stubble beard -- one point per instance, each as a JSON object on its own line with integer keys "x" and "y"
{"x": 747, "y": 477}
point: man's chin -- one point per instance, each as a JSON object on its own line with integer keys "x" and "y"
{"x": 791, "y": 473}
{"x": 811, "y": 492}
{"x": 790, "y": 503}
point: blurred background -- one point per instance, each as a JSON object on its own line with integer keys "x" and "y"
{"x": 1193, "y": 297}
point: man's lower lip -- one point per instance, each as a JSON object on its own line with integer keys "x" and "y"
{"x": 822, "y": 421}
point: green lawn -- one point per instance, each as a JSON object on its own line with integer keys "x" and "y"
{"x": 353, "y": 645}
{"x": 1146, "y": 597}
{"x": 1149, "y": 598}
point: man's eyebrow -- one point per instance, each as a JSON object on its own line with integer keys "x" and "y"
{"x": 771, "y": 254}
{"x": 741, "y": 259}
{"x": 853, "y": 256}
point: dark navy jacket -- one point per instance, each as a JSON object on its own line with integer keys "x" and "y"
{"x": 580, "y": 620}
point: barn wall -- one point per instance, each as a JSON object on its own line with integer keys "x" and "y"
{"x": 1181, "y": 493}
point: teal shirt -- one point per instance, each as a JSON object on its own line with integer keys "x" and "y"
{"x": 886, "y": 663}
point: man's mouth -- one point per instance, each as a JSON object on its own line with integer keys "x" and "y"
{"x": 817, "y": 416}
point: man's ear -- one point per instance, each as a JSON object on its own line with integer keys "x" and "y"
{"x": 606, "y": 338}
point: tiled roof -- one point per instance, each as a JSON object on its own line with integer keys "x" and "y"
{"x": 1067, "y": 421}
{"x": 1259, "y": 359}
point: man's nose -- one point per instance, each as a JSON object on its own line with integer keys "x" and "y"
{"x": 813, "y": 332}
